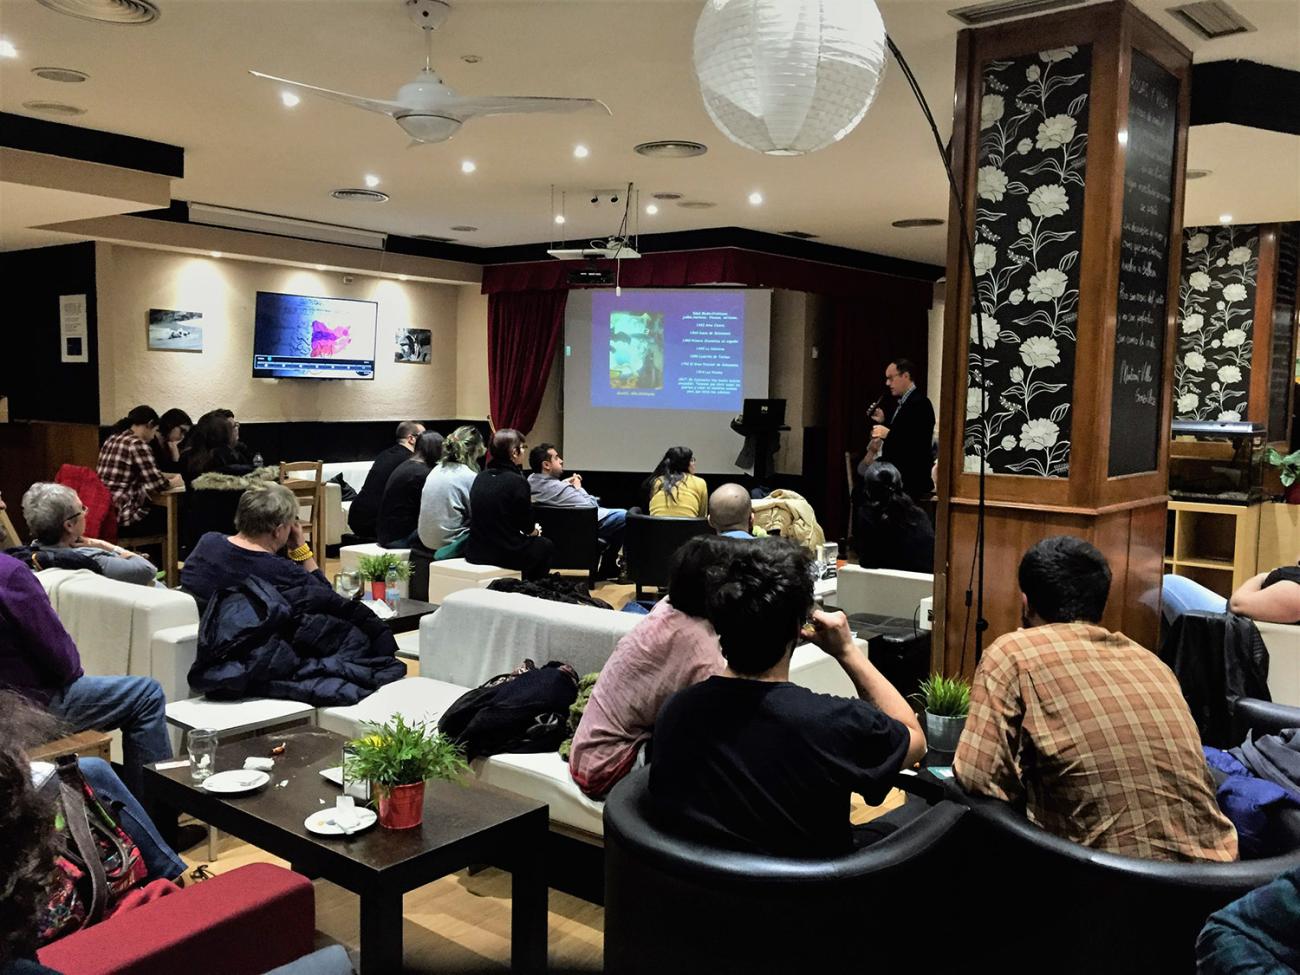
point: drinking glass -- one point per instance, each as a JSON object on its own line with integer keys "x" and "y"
{"x": 353, "y": 787}
{"x": 201, "y": 743}
{"x": 347, "y": 584}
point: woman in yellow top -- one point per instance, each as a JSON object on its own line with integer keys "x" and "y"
{"x": 674, "y": 489}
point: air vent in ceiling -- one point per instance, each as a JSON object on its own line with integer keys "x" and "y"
{"x": 911, "y": 222}
{"x": 436, "y": 240}
{"x": 979, "y": 14}
{"x": 1212, "y": 19}
{"x": 696, "y": 205}
{"x": 666, "y": 196}
{"x": 1199, "y": 173}
{"x": 800, "y": 234}
{"x": 464, "y": 228}
{"x": 54, "y": 108}
{"x": 672, "y": 149}
{"x": 69, "y": 76}
{"x": 131, "y": 12}
{"x": 355, "y": 195}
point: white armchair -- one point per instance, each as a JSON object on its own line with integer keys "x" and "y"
{"x": 336, "y": 509}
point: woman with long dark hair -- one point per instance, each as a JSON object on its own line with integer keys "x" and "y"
{"x": 673, "y": 488}
{"x": 889, "y": 530}
{"x": 173, "y": 427}
{"x": 212, "y": 447}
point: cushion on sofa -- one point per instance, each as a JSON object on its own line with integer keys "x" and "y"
{"x": 453, "y": 575}
{"x": 415, "y": 698}
{"x": 544, "y": 777}
{"x": 884, "y": 592}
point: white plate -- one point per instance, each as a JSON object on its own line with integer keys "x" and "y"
{"x": 322, "y": 822}
{"x": 235, "y": 781}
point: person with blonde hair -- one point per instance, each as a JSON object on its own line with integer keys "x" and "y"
{"x": 443, "y": 525}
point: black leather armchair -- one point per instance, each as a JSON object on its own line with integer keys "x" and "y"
{"x": 1057, "y": 906}
{"x": 676, "y": 906}
{"x": 1263, "y": 717}
{"x": 573, "y": 531}
{"x": 650, "y": 544}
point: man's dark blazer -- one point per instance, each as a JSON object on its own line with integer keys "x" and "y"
{"x": 908, "y": 446}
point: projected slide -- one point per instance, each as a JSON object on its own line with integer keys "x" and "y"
{"x": 307, "y": 337}
{"x": 672, "y": 350}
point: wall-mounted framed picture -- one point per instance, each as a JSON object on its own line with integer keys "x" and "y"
{"x": 175, "y": 331}
{"x": 413, "y": 345}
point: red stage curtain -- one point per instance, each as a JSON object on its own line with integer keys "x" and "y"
{"x": 523, "y": 331}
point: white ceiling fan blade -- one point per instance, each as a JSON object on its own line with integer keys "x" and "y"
{"x": 464, "y": 108}
{"x": 356, "y": 101}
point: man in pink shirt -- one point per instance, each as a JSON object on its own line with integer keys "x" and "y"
{"x": 672, "y": 648}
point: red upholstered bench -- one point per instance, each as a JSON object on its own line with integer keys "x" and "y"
{"x": 244, "y": 922}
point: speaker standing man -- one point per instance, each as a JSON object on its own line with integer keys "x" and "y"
{"x": 909, "y": 430}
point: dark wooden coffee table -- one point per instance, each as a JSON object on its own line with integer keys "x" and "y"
{"x": 463, "y": 825}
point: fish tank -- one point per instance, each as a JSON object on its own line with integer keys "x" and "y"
{"x": 1218, "y": 463}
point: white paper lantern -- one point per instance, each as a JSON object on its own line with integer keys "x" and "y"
{"x": 788, "y": 77}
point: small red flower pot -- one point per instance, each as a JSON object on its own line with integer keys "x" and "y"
{"x": 377, "y": 594}
{"x": 401, "y": 806}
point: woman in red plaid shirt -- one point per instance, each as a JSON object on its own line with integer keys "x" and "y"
{"x": 129, "y": 471}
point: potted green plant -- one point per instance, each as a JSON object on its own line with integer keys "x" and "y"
{"x": 1288, "y": 471}
{"x": 375, "y": 569}
{"x": 397, "y": 759}
{"x": 946, "y": 702}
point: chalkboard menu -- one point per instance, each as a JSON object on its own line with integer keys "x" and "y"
{"x": 1135, "y": 428}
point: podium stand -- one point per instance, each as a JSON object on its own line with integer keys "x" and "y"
{"x": 766, "y": 439}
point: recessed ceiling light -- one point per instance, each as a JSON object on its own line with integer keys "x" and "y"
{"x": 372, "y": 180}
{"x": 672, "y": 149}
{"x": 471, "y": 58}
{"x": 54, "y": 108}
{"x": 134, "y": 12}
{"x": 7, "y": 49}
{"x": 559, "y": 218}
{"x": 581, "y": 152}
{"x": 464, "y": 228}
{"x": 755, "y": 198}
{"x": 355, "y": 195}
{"x": 1199, "y": 173}
{"x": 288, "y": 99}
{"x": 696, "y": 204}
{"x": 909, "y": 223}
{"x": 68, "y": 76}
{"x": 216, "y": 254}
{"x": 1225, "y": 218}
{"x": 468, "y": 166}
{"x": 651, "y": 209}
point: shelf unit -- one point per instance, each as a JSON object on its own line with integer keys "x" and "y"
{"x": 1215, "y": 544}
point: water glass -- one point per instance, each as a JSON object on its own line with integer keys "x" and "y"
{"x": 351, "y": 786}
{"x": 347, "y": 584}
{"x": 201, "y": 743}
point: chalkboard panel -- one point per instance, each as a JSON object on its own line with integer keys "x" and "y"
{"x": 1135, "y": 429}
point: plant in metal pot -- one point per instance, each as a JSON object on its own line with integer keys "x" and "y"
{"x": 374, "y": 569}
{"x": 1288, "y": 466}
{"x": 397, "y": 758}
{"x": 946, "y": 702}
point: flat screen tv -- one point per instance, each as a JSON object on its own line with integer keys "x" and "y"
{"x": 301, "y": 337}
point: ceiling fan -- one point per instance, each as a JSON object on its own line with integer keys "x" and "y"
{"x": 426, "y": 109}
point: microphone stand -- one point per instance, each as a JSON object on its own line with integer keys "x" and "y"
{"x": 968, "y": 246}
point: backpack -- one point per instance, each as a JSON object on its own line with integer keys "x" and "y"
{"x": 96, "y": 865}
{"x": 525, "y": 711}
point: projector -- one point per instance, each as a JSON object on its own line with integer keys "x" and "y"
{"x": 612, "y": 249}
{"x": 591, "y": 275}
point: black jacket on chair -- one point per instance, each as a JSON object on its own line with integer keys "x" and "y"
{"x": 908, "y": 446}
{"x": 1218, "y": 659}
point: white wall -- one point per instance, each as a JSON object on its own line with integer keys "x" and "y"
{"x": 131, "y": 280}
{"x": 934, "y": 372}
{"x": 471, "y": 354}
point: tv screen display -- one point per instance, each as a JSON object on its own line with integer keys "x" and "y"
{"x": 301, "y": 337}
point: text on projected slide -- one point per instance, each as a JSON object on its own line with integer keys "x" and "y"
{"x": 668, "y": 352}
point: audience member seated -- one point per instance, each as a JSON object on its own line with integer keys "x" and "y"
{"x": 673, "y": 488}
{"x": 444, "y": 500}
{"x": 1258, "y": 934}
{"x": 503, "y": 531}
{"x": 363, "y": 515}
{"x": 265, "y": 522}
{"x": 731, "y": 512}
{"x": 1085, "y": 729}
{"x": 127, "y": 468}
{"x": 550, "y": 488}
{"x": 1270, "y": 597}
{"x": 39, "y": 660}
{"x": 751, "y": 761}
{"x": 244, "y": 454}
{"x": 673, "y": 648}
{"x": 399, "y": 508}
{"x": 57, "y": 519}
{"x": 173, "y": 427}
{"x": 889, "y": 530}
{"x": 212, "y": 448}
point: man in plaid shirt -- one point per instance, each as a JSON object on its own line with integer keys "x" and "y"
{"x": 1084, "y": 729}
{"x": 129, "y": 471}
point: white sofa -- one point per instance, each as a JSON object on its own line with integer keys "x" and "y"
{"x": 478, "y": 633}
{"x": 1283, "y": 643}
{"x": 336, "y": 509}
{"x": 883, "y": 592}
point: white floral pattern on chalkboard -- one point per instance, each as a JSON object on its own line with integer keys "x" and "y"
{"x": 1216, "y": 322}
{"x": 1029, "y": 184}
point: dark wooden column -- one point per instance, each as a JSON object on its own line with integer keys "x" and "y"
{"x": 1070, "y": 143}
